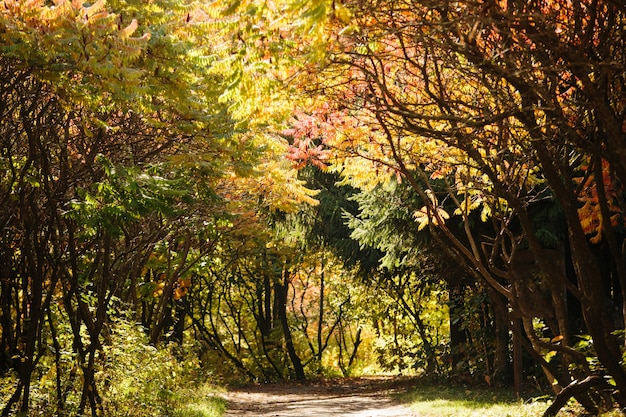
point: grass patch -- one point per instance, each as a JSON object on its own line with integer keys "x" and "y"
{"x": 211, "y": 406}
{"x": 429, "y": 400}
{"x": 448, "y": 401}
{"x": 199, "y": 400}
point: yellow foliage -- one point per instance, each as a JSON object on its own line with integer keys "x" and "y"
{"x": 432, "y": 214}
{"x": 126, "y": 32}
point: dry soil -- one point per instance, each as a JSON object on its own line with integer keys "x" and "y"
{"x": 357, "y": 397}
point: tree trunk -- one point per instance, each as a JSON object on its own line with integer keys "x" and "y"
{"x": 501, "y": 365}
{"x": 320, "y": 322}
{"x": 574, "y": 389}
{"x": 457, "y": 335}
{"x": 280, "y": 289}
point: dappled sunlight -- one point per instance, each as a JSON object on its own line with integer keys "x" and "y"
{"x": 435, "y": 400}
{"x": 277, "y": 192}
{"x": 345, "y": 398}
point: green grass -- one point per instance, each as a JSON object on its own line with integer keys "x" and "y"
{"x": 212, "y": 406}
{"x": 444, "y": 401}
{"x": 200, "y": 401}
{"x": 450, "y": 400}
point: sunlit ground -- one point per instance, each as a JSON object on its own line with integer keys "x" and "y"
{"x": 202, "y": 402}
{"x": 449, "y": 401}
{"x": 211, "y": 407}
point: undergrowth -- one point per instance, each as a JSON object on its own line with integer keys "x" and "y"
{"x": 134, "y": 380}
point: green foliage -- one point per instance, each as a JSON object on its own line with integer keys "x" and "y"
{"x": 139, "y": 380}
{"x": 128, "y": 194}
{"x": 385, "y": 222}
{"x": 142, "y": 380}
{"x": 549, "y": 222}
{"x": 413, "y": 337}
{"x": 143, "y": 162}
{"x": 324, "y": 225}
{"x": 103, "y": 54}
{"x": 115, "y": 145}
{"x": 452, "y": 93}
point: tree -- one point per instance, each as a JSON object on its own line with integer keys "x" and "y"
{"x": 115, "y": 147}
{"x": 412, "y": 269}
{"x": 515, "y": 106}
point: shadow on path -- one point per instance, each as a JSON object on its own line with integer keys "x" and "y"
{"x": 361, "y": 397}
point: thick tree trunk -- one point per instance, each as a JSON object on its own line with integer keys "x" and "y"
{"x": 457, "y": 335}
{"x": 501, "y": 375}
{"x": 280, "y": 290}
{"x": 574, "y": 389}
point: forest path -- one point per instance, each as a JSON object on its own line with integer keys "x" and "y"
{"x": 354, "y": 397}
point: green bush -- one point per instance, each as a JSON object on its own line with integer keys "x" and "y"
{"x": 144, "y": 381}
{"x": 134, "y": 380}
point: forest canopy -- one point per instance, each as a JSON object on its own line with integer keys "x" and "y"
{"x": 291, "y": 189}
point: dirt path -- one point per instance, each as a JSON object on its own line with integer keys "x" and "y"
{"x": 361, "y": 397}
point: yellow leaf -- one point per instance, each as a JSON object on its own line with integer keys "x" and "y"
{"x": 94, "y": 8}
{"x": 343, "y": 13}
{"x": 129, "y": 30}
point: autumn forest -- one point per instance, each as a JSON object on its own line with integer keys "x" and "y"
{"x": 258, "y": 190}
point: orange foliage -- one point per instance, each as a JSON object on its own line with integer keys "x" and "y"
{"x": 590, "y": 214}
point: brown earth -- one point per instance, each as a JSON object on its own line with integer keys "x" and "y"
{"x": 354, "y": 397}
